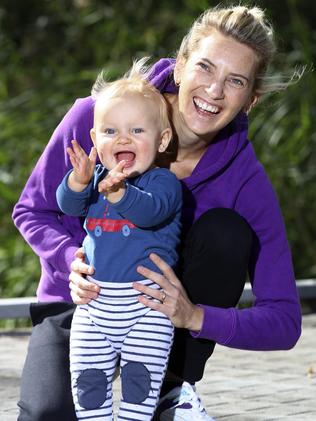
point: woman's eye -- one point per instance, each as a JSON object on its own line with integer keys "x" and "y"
{"x": 137, "y": 130}
{"x": 238, "y": 83}
{"x": 109, "y": 131}
{"x": 204, "y": 66}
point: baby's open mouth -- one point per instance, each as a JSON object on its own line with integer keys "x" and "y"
{"x": 127, "y": 156}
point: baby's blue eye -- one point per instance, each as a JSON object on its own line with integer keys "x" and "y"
{"x": 137, "y": 130}
{"x": 109, "y": 131}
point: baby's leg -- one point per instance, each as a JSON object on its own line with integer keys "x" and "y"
{"x": 144, "y": 358}
{"x": 92, "y": 364}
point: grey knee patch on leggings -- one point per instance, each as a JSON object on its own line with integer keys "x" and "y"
{"x": 92, "y": 388}
{"x": 135, "y": 382}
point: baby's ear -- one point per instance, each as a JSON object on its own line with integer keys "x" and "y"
{"x": 166, "y": 136}
{"x": 93, "y": 135}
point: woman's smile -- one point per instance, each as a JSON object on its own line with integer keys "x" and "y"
{"x": 204, "y": 108}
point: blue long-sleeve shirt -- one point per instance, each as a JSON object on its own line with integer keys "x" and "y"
{"x": 121, "y": 236}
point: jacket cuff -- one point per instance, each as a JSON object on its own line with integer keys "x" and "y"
{"x": 65, "y": 257}
{"x": 218, "y": 324}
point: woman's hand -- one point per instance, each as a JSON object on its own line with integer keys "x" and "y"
{"x": 174, "y": 301}
{"x": 81, "y": 290}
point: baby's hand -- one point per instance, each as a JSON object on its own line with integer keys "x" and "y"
{"x": 113, "y": 186}
{"x": 83, "y": 165}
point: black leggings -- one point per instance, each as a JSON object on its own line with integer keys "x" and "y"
{"x": 215, "y": 263}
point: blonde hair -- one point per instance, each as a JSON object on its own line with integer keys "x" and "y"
{"x": 133, "y": 82}
{"x": 249, "y": 26}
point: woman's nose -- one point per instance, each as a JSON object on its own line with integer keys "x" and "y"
{"x": 215, "y": 89}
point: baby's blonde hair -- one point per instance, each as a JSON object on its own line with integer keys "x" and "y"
{"x": 133, "y": 82}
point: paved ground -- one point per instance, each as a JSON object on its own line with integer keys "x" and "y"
{"x": 238, "y": 385}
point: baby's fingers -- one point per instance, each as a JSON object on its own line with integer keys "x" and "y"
{"x": 76, "y": 147}
{"x": 93, "y": 155}
{"x": 73, "y": 158}
{"x": 120, "y": 166}
{"x": 70, "y": 153}
{"x": 107, "y": 183}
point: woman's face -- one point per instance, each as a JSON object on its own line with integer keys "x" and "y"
{"x": 216, "y": 83}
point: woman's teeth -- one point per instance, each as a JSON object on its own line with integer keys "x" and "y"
{"x": 204, "y": 106}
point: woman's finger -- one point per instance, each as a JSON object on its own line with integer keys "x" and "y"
{"x": 80, "y": 254}
{"x": 165, "y": 269}
{"x": 77, "y": 282}
{"x": 158, "y": 306}
{"x": 81, "y": 267}
{"x": 77, "y": 299}
{"x": 146, "y": 290}
{"x": 153, "y": 276}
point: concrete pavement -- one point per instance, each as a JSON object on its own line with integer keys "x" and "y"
{"x": 237, "y": 386}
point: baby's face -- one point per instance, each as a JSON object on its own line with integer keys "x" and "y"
{"x": 127, "y": 128}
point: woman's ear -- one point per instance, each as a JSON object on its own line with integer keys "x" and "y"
{"x": 166, "y": 136}
{"x": 177, "y": 72}
{"x": 252, "y": 102}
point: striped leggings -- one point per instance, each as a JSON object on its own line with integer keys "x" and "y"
{"x": 114, "y": 329}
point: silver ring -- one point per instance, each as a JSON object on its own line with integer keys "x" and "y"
{"x": 164, "y": 295}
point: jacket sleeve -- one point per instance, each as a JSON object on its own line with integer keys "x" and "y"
{"x": 73, "y": 203}
{"x": 274, "y": 320}
{"x": 159, "y": 200}
{"x": 53, "y": 236}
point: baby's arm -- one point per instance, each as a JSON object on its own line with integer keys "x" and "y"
{"x": 151, "y": 202}
{"x": 83, "y": 166}
{"x": 113, "y": 186}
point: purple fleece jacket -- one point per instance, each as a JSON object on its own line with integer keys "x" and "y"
{"x": 228, "y": 175}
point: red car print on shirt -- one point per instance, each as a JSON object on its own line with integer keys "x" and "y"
{"x": 108, "y": 225}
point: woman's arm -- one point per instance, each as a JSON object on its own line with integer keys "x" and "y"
{"x": 274, "y": 320}
{"x": 52, "y": 236}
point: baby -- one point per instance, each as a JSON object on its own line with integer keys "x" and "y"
{"x": 131, "y": 208}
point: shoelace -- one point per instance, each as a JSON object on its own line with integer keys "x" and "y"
{"x": 189, "y": 392}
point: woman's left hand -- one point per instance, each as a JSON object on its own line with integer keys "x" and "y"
{"x": 174, "y": 302}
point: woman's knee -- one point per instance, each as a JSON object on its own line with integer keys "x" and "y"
{"x": 220, "y": 230}
{"x": 41, "y": 413}
{"x": 45, "y": 392}
{"x": 216, "y": 258}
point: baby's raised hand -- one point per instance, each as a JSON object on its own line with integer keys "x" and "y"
{"x": 83, "y": 165}
{"x": 113, "y": 186}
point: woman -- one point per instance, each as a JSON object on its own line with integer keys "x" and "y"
{"x": 232, "y": 223}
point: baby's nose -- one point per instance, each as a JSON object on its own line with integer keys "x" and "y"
{"x": 124, "y": 139}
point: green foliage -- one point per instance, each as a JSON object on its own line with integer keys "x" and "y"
{"x": 50, "y": 54}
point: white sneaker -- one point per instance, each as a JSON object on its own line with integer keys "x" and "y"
{"x": 182, "y": 404}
